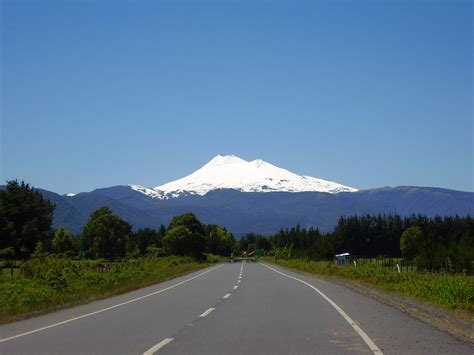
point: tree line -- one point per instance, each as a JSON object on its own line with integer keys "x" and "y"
{"x": 25, "y": 228}
{"x": 433, "y": 243}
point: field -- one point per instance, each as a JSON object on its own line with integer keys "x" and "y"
{"x": 52, "y": 282}
{"x": 455, "y": 292}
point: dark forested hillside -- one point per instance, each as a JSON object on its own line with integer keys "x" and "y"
{"x": 264, "y": 213}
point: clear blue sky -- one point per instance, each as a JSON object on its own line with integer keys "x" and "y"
{"x": 365, "y": 93}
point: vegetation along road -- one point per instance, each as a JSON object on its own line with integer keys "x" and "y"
{"x": 239, "y": 307}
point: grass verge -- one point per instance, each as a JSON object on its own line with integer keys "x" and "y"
{"x": 51, "y": 282}
{"x": 453, "y": 292}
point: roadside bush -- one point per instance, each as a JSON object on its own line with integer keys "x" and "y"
{"x": 48, "y": 282}
{"x": 213, "y": 259}
{"x": 53, "y": 270}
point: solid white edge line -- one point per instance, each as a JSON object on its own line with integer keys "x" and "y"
{"x": 226, "y": 296}
{"x": 158, "y": 346}
{"x": 375, "y": 349}
{"x": 108, "y": 308}
{"x": 206, "y": 312}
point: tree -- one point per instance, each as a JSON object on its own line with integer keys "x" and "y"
{"x": 219, "y": 241}
{"x": 185, "y": 236}
{"x": 25, "y": 218}
{"x": 105, "y": 235}
{"x": 411, "y": 242}
{"x": 147, "y": 237}
{"x": 179, "y": 241}
{"x": 87, "y": 237}
{"x": 63, "y": 241}
{"x": 190, "y": 221}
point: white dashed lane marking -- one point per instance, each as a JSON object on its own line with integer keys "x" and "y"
{"x": 158, "y": 346}
{"x": 206, "y": 312}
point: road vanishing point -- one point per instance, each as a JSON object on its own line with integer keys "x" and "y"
{"x": 234, "y": 308}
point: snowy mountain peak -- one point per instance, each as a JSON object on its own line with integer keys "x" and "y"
{"x": 220, "y": 160}
{"x": 232, "y": 172}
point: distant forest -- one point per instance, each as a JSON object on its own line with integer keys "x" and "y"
{"x": 433, "y": 242}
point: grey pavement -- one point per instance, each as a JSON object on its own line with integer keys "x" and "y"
{"x": 265, "y": 313}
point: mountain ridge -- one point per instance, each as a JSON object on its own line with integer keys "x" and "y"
{"x": 265, "y": 213}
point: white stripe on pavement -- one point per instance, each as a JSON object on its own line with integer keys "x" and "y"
{"x": 226, "y": 296}
{"x": 349, "y": 320}
{"x": 206, "y": 312}
{"x": 158, "y": 346}
{"x": 108, "y": 308}
{"x": 236, "y": 287}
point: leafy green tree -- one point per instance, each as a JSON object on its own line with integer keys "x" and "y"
{"x": 219, "y": 241}
{"x": 25, "y": 218}
{"x": 189, "y": 220}
{"x": 411, "y": 242}
{"x": 87, "y": 236}
{"x": 179, "y": 241}
{"x": 185, "y": 236}
{"x": 105, "y": 235}
{"x": 63, "y": 241}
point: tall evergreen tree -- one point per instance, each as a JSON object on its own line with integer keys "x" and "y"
{"x": 25, "y": 218}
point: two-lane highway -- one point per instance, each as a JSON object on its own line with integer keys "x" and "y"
{"x": 239, "y": 308}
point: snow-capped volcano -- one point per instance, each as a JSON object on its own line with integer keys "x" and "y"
{"x": 231, "y": 172}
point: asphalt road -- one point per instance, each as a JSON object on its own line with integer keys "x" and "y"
{"x": 240, "y": 308}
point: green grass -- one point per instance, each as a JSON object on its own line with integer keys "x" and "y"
{"x": 9, "y": 273}
{"x": 447, "y": 290}
{"x": 52, "y": 282}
